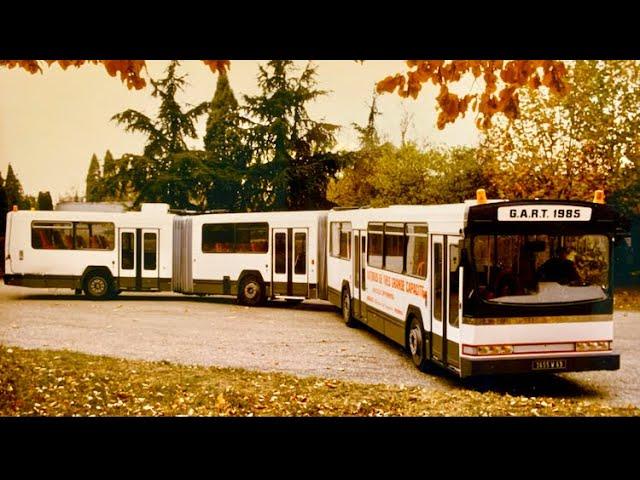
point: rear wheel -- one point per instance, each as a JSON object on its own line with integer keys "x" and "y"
{"x": 251, "y": 292}
{"x": 97, "y": 286}
{"x": 416, "y": 344}
{"x": 347, "y": 316}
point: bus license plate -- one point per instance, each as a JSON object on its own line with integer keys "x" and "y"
{"x": 549, "y": 364}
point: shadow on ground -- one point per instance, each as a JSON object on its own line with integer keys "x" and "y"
{"x": 305, "y": 306}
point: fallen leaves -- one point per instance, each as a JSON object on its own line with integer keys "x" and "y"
{"x": 62, "y": 383}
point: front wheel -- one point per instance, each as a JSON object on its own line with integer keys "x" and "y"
{"x": 416, "y": 344}
{"x": 97, "y": 286}
{"x": 251, "y": 292}
{"x": 347, "y": 316}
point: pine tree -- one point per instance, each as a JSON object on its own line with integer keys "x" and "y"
{"x": 13, "y": 189}
{"x": 109, "y": 165}
{"x": 44, "y": 201}
{"x": 226, "y": 154}
{"x": 108, "y": 184}
{"x": 292, "y": 160}
{"x": 166, "y": 171}
{"x": 4, "y": 207}
{"x": 94, "y": 181}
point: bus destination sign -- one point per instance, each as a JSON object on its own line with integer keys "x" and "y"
{"x": 544, "y": 213}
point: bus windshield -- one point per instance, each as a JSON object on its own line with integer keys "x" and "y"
{"x": 541, "y": 268}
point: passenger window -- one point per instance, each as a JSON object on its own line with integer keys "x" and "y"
{"x": 341, "y": 240}
{"x": 218, "y": 238}
{"x": 374, "y": 251}
{"x": 52, "y": 235}
{"x": 394, "y": 247}
{"x": 417, "y": 248}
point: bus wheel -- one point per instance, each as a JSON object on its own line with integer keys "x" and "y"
{"x": 347, "y": 317}
{"x": 97, "y": 287}
{"x": 416, "y": 344}
{"x": 250, "y": 292}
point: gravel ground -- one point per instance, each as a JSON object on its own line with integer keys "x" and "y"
{"x": 305, "y": 339}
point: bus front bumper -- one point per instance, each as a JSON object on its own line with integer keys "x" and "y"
{"x": 555, "y": 364}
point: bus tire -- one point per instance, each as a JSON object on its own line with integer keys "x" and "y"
{"x": 97, "y": 286}
{"x": 347, "y": 313}
{"x": 251, "y": 291}
{"x": 416, "y": 343}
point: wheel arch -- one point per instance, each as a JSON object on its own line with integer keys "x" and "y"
{"x": 95, "y": 269}
{"x": 345, "y": 284}
{"x": 246, "y": 273}
{"x": 415, "y": 312}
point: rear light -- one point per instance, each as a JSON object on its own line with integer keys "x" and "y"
{"x": 593, "y": 346}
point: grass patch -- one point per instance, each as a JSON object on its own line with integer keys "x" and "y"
{"x": 63, "y": 383}
{"x": 627, "y": 298}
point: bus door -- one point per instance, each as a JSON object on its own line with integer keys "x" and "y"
{"x": 138, "y": 259}
{"x": 453, "y": 301}
{"x": 438, "y": 304}
{"x": 359, "y": 274}
{"x": 290, "y": 262}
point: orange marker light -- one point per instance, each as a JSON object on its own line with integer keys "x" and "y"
{"x": 15, "y": 208}
{"x": 598, "y": 196}
{"x": 481, "y": 196}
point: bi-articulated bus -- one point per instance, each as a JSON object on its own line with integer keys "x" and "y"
{"x": 479, "y": 287}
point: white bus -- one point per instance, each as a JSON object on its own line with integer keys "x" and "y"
{"x": 252, "y": 255}
{"x": 472, "y": 286}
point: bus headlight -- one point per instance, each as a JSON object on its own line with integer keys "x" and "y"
{"x": 487, "y": 349}
{"x": 593, "y": 346}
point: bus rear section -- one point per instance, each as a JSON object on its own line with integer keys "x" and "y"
{"x": 100, "y": 253}
{"x": 537, "y": 288}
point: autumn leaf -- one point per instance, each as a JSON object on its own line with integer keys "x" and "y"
{"x": 502, "y": 80}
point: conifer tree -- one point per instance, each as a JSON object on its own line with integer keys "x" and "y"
{"x": 166, "y": 171}
{"x": 44, "y": 201}
{"x": 94, "y": 181}
{"x": 292, "y": 159}
{"x": 13, "y": 189}
{"x": 226, "y": 154}
{"x": 4, "y": 207}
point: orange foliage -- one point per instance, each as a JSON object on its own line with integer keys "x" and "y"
{"x": 130, "y": 70}
{"x": 513, "y": 75}
{"x": 496, "y": 98}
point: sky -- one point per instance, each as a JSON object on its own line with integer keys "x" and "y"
{"x": 52, "y": 123}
